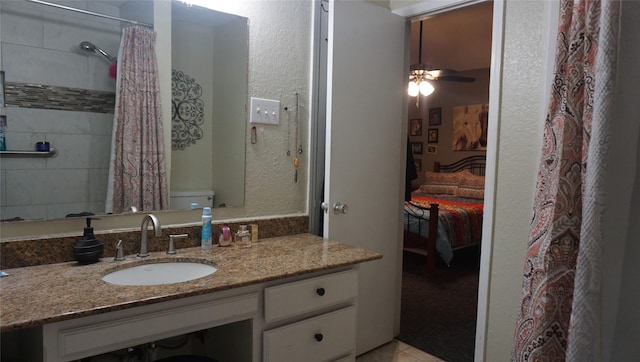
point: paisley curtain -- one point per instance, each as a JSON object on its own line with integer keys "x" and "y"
{"x": 137, "y": 173}
{"x": 559, "y": 315}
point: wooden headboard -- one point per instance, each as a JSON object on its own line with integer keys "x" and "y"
{"x": 475, "y": 165}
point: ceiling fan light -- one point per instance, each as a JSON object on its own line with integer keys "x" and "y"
{"x": 413, "y": 89}
{"x": 426, "y": 88}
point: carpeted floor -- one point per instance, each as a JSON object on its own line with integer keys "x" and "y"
{"x": 439, "y": 314}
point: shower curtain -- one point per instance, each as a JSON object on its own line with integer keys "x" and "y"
{"x": 559, "y": 315}
{"x": 137, "y": 173}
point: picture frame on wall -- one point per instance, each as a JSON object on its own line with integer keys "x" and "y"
{"x": 435, "y": 116}
{"x": 432, "y": 135}
{"x": 470, "y": 124}
{"x": 416, "y": 148}
{"x": 415, "y": 127}
{"x": 418, "y": 163}
{"x": 432, "y": 149}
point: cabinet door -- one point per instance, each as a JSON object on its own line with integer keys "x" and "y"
{"x": 324, "y": 338}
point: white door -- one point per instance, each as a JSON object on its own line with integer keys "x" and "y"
{"x": 365, "y": 154}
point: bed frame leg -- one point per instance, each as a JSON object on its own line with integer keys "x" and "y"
{"x": 432, "y": 257}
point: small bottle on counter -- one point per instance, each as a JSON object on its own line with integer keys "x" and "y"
{"x": 206, "y": 228}
{"x": 3, "y": 131}
{"x": 225, "y": 236}
{"x": 243, "y": 237}
{"x": 254, "y": 232}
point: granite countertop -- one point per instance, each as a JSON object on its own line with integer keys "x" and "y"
{"x": 37, "y": 295}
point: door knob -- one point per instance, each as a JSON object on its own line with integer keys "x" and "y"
{"x": 340, "y": 208}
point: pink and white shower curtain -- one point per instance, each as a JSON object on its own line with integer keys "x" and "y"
{"x": 559, "y": 315}
{"x": 137, "y": 171}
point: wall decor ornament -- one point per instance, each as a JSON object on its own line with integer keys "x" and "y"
{"x": 187, "y": 111}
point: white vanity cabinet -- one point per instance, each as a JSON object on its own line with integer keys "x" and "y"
{"x": 291, "y": 298}
{"x": 89, "y": 336}
{"x": 307, "y": 319}
{"x": 312, "y": 319}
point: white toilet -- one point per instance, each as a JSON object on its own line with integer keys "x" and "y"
{"x": 181, "y": 200}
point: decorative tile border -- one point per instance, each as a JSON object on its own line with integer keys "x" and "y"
{"x": 26, "y": 95}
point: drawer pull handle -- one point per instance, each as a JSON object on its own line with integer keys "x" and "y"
{"x": 318, "y": 337}
{"x": 320, "y": 291}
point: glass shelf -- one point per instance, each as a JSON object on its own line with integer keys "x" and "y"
{"x": 15, "y": 153}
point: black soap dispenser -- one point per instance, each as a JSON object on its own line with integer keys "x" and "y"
{"x": 88, "y": 249}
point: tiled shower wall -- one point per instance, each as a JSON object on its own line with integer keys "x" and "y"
{"x": 45, "y": 69}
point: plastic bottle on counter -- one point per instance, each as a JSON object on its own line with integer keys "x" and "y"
{"x": 206, "y": 228}
{"x": 3, "y": 133}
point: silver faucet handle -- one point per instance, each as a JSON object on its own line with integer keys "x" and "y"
{"x": 119, "y": 252}
{"x": 172, "y": 245}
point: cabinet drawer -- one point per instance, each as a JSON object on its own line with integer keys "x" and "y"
{"x": 324, "y": 338}
{"x": 289, "y": 300}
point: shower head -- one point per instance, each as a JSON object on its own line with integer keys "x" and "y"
{"x": 91, "y": 48}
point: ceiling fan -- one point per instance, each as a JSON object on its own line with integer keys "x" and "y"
{"x": 420, "y": 75}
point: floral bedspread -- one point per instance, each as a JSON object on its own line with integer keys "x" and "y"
{"x": 459, "y": 222}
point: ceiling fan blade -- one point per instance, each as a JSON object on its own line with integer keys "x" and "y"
{"x": 455, "y": 78}
{"x": 448, "y": 75}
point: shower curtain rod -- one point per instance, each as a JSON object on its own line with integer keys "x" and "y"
{"x": 90, "y": 13}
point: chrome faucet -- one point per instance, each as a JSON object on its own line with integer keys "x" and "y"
{"x": 143, "y": 233}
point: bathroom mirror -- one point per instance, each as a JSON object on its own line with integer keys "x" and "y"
{"x": 59, "y": 93}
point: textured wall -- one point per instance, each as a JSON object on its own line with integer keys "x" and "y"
{"x": 521, "y": 121}
{"x": 279, "y": 66}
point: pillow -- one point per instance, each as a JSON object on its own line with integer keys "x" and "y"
{"x": 440, "y": 183}
{"x": 469, "y": 192}
{"x": 471, "y": 186}
{"x": 469, "y": 179}
{"x": 435, "y": 189}
{"x": 443, "y": 178}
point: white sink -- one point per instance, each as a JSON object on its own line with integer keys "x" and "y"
{"x": 159, "y": 273}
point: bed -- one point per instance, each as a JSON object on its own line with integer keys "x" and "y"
{"x": 445, "y": 213}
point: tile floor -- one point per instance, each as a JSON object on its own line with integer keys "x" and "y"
{"x": 396, "y": 351}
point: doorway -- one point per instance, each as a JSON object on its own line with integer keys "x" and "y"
{"x": 438, "y": 313}
{"x": 314, "y": 206}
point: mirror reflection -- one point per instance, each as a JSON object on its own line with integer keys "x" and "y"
{"x": 61, "y": 93}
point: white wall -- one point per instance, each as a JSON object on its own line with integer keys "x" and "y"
{"x": 229, "y": 102}
{"x": 520, "y": 122}
{"x": 191, "y": 168}
{"x": 280, "y": 64}
{"x": 621, "y": 271}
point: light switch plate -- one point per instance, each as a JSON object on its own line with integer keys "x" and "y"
{"x": 266, "y": 111}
